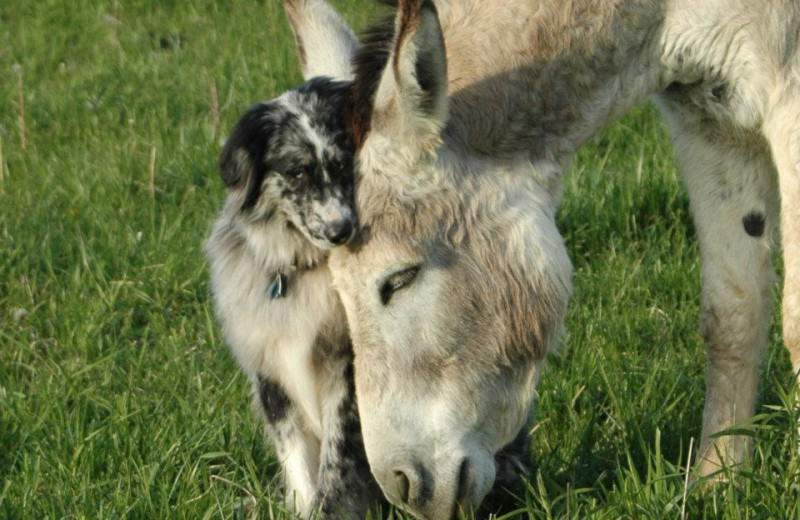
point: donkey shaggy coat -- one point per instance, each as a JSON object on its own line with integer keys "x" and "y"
{"x": 459, "y": 283}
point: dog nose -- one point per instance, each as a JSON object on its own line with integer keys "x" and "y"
{"x": 339, "y": 232}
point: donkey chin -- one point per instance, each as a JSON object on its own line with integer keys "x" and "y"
{"x": 435, "y": 456}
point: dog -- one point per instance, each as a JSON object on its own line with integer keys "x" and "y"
{"x": 288, "y": 166}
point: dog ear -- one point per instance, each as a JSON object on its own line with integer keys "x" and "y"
{"x": 235, "y": 165}
{"x": 412, "y": 94}
{"x": 325, "y": 44}
{"x": 241, "y": 162}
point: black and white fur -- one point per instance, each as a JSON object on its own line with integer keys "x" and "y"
{"x": 288, "y": 165}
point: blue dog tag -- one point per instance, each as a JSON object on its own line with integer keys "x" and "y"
{"x": 277, "y": 289}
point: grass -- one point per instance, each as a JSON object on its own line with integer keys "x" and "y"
{"x": 118, "y": 398}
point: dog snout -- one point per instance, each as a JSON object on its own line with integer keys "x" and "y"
{"x": 339, "y": 231}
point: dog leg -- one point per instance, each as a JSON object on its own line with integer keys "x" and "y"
{"x": 297, "y": 449}
{"x": 731, "y": 185}
{"x": 345, "y": 486}
{"x": 782, "y": 128}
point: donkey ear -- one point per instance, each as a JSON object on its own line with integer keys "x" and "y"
{"x": 325, "y": 44}
{"x": 412, "y": 94}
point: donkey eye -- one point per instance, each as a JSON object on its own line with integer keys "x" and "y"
{"x": 397, "y": 281}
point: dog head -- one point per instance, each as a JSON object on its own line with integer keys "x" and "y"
{"x": 291, "y": 158}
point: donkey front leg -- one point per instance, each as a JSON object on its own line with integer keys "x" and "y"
{"x": 782, "y": 128}
{"x": 297, "y": 448}
{"x": 731, "y": 184}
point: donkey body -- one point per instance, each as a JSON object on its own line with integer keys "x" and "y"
{"x": 458, "y": 284}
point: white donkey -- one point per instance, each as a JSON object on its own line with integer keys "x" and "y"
{"x": 466, "y": 115}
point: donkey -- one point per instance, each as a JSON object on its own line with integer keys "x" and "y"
{"x": 457, "y": 286}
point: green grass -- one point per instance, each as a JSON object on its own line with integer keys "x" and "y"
{"x": 118, "y": 398}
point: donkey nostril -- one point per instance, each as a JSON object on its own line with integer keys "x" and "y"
{"x": 402, "y": 485}
{"x": 409, "y": 484}
{"x": 464, "y": 482}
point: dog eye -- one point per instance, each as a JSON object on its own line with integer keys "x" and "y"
{"x": 301, "y": 176}
{"x": 397, "y": 281}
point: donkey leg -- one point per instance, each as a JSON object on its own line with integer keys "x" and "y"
{"x": 297, "y": 449}
{"x": 782, "y": 128}
{"x": 345, "y": 485}
{"x": 734, "y": 215}
{"x": 732, "y": 191}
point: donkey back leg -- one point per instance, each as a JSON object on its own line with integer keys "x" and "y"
{"x": 731, "y": 184}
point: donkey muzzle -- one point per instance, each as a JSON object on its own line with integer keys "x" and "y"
{"x": 435, "y": 490}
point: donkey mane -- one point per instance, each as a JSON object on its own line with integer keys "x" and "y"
{"x": 368, "y": 65}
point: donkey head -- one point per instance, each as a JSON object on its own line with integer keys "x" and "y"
{"x": 454, "y": 290}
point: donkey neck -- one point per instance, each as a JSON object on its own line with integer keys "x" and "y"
{"x": 535, "y": 79}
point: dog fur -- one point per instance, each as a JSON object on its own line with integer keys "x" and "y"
{"x": 289, "y": 168}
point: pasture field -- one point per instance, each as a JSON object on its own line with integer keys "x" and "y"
{"x": 118, "y": 398}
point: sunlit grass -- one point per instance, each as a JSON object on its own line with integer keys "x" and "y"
{"x": 118, "y": 398}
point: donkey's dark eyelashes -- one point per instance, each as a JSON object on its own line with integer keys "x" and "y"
{"x": 396, "y": 281}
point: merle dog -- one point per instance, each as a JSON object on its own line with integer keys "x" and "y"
{"x": 289, "y": 168}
